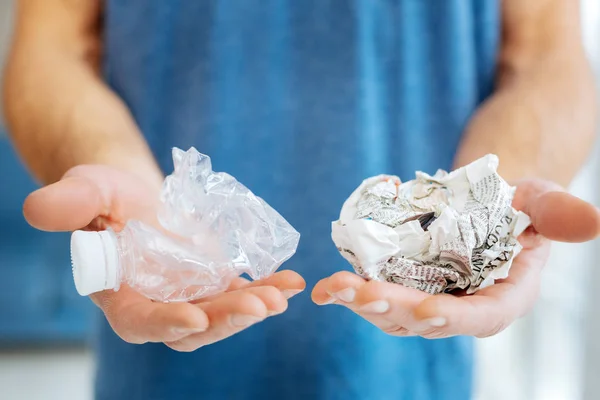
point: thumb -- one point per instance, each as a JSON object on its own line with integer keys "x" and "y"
{"x": 87, "y": 192}
{"x": 555, "y": 214}
{"x": 66, "y": 205}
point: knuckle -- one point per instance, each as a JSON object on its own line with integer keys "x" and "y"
{"x": 250, "y": 302}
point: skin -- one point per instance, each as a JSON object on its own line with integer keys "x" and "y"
{"x": 85, "y": 146}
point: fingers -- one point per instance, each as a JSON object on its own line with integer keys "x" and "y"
{"x": 273, "y": 299}
{"x": 389, "y": 306}
{"x": 233, "y": 312}
{"x": 385, "y": 305}
{"x": 394, "y": 301}
{"x": 138, "y": 320}
{"x": 402, "y": 311}
{"x": 245, "y": 304}
{"x": 340, "y": 285}
{"x": 186, "y": 326}
{"x": 290, "y": 283}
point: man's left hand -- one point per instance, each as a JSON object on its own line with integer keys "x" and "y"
{"x": 400, "y": 311}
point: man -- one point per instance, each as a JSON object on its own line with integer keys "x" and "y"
{"x": 300, "y": 101}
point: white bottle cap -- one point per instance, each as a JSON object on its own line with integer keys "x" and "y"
{"x": 95, "y": 261}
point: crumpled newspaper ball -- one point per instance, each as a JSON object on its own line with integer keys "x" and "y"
{"x": 436, "y": 233}
{"x": 216, "y": 211}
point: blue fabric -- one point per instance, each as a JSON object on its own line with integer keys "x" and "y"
{"x": 300, "y": 100}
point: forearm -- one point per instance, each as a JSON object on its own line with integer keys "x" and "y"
{"x": 60, "y": 114}
{"x": 540, "y": 125}
{"x": 63, "y": 118}
{"x": 541, "y": 121}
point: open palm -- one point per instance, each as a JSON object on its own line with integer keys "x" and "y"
{"x": 96, "y": 197}
{"x": 402, "y": 311}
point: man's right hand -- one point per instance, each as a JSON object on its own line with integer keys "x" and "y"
{"x": 96, "y": 197}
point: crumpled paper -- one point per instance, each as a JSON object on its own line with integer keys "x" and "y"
{"x": 436, "y": 233}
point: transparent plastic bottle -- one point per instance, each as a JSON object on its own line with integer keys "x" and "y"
{"x": 213, "y": 229}
{"x": 159, "y": 267}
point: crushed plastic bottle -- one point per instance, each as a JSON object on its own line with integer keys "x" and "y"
{"x": 213, "y": 229}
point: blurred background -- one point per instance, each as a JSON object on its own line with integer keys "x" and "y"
{"x": 554, "y": 353}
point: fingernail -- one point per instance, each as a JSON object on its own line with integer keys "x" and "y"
{"x": 436, "y": 322}
{"x": 271, "y": 313}
{"x": 244, "y": 320}
{"x": 188, "y": 331}
{"x": 375, "y": 307}
{"x": 289, "y": 293}
{"x": 347, "y": 295}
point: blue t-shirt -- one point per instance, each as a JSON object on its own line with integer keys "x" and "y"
{"x": 300, "y": 100}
